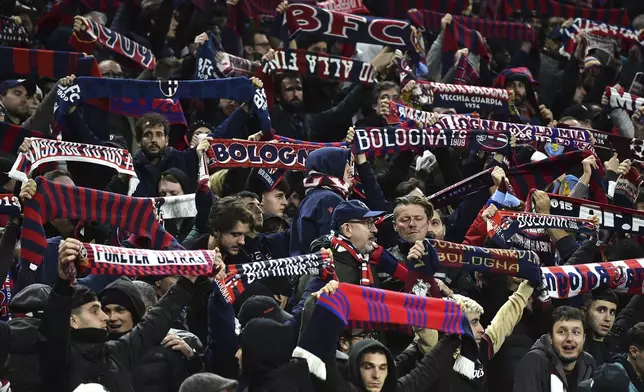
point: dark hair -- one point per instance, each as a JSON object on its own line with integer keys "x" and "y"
{"x": 54, "y": 174}
{"x": 206, "y": 382}
{"x": 82, "y": 295}
{"x": 226, "y": 212}
{"x": 406, "y": 187}
{"x": 600, "y": 294}
{"x": 248, "y": 36}
{"x": 375, "y": 349}
{"x": 306, "y": 40}
{"x": 170, "y": 178}
{"x": 414, "y": 200}
{"x": 386, "y": 85}
{"x": 565, "y": 313}
{"x": 273, "y": 224}
{"x": 624, "y": 249}
{"x": 281, "y": 77}
{"x": 635, "y": 336}
{"x": 248, "y": 194}
{"x": 149, "y": 120}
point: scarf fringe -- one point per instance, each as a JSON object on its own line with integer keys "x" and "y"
{"x": 316, "y": 365}
{"x": 464, "y": 366}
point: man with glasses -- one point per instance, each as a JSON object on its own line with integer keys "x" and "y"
{"x": 110, "y": 69}
{"x": 255, "y": 43}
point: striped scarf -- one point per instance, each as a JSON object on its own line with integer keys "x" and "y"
{"x": 12, "y": 136}
{"x": 240, "y": 276}
{"x": 112, "y": 260}
{"x": 566, "y": 281}
{"x": 209, "y": 66}
{"x": 539, "y": 174}
{"x": 462, "y": 189}
{"x": 10, "y": 204}
{"x": 519, "y": 263}
{"x": 336, "y": 185}
{"x": 86, "y": 40}
{"x": 353, "y": 306}
{"x": 490, "y": 29}
{"x": 53, "y": 200}
{"x": 341, "y": 244}
{"x": 399, "y": 9}
{"x": 12, "y": 33}
{"x": 551, "y": 8}
{"x": 625, "y": 35}
{"x": 620, "y": 99}
{"x": 46, "y": 63}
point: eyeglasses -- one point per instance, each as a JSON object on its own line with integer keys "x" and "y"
{"x": 369, "y": 223}
{"x": 113, "y": 75}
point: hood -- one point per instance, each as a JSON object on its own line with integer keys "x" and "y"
{"x": 31, "y": 299}
{"x": 266, "y": 345}
{"x": 354, "y": 369}
{"x": 522, "y": 74}
{"x": 328, "y": 160}
{"x": 123, "y": 290}
{"x": 187, "y": 185}
{"x": 292, "y": 377}
{"x": 585, "y": 363}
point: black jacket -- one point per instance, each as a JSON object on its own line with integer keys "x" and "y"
{"x": 160, "y": 368}
{"x": 541, "y": 364}
{"x": 23, "y": 370}
{"x": 636, "y": 382}
{"x": 74, "y": 356}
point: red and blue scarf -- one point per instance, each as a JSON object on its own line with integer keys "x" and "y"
{"x": 53, "y": 200}
{"x": 46, "y": 63}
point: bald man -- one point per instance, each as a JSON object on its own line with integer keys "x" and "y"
{"x": 110, "y": 69}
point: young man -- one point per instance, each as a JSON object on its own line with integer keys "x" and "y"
{"x": 633, "y": 360}
{"x": 76, "y": 349}
{"x": 557, "y": 361}
{"x": 155, "y": 156}
{"x": 162, "y": 368}
{"x": 13, "y": 99}
{"x": 230, "y": 221}
{"x": 600, "y": 309}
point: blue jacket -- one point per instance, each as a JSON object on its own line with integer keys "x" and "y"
{"x": 314, "y": 217}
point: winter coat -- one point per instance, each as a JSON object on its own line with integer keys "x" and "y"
{"x": 74, "y": 356}
{"x": 541, "y": 370}
{"x": 637, "y": 384}
{"x": 23, "y": 368}
{"x": 316, "y": 209}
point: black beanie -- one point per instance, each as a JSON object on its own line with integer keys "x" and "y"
{"x": 124, "y": 293}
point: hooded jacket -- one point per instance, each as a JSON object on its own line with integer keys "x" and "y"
{"x": 541, "y": 370}
{"x": 524, "y": 75}
{"x": 23, "y": 370}
{"x": 357, "y": 351}
{"x": 266, "y": 358}
{"x": 160, "y": 368}
{"x": 314, "y": 217}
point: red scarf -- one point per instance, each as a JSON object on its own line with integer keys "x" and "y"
{"x": 339, "y": 242}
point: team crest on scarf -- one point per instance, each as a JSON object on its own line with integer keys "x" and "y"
{"x": 168, "y": 87}
{"x": 637, "y": 146}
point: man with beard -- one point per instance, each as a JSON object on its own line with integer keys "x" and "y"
{"x": 164, "y": 367}
{"x": 155, "y": 156}
{"x": 600, "y": 308}
{"x": 557, "y": 361}
{"x": 14, "y": 96}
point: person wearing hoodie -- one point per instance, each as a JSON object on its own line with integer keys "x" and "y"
{"x": 329, "y": 177}
{"x": 264, "y": 355}
{"x": 163, "y": 368}
{"x": 633, "y": 361}
{"x": 27, "y": 308}
{"x": 557, "y": 361}
{"x": 174, "y": 182}
{"x": 76, "y": 349}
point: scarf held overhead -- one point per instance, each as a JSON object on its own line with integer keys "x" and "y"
{"x": 462, "y": 189}
{"x": 246, "y": 153}
{"x": 10, "y": 205}
{"x": 611, "y": 217}
{"x": 12, "y": 136}
{"x": 513, "y": 262}
{"x": 240, "y": 276}
{"x": 112, "y": 260}
{"x": 345, "y": 27}
{"x": 238, "y": 89}
{"x": 213, "y": 63}
{"x": 383, "y": 141}
{"x": 53, "y": 200}
{"x": 46, "y": 63}
{"x": 319, "y": 65}
{"x": 85, "y": 41}
{"x": 625, "y": 276}
{"x": 48, "y": 150}
{"x": 551, "y": 8}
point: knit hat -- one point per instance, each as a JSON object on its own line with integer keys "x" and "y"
{"x": 124, "y": 293}
{"x": 590, "y": 62}
{"x": 187, "y": 185}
